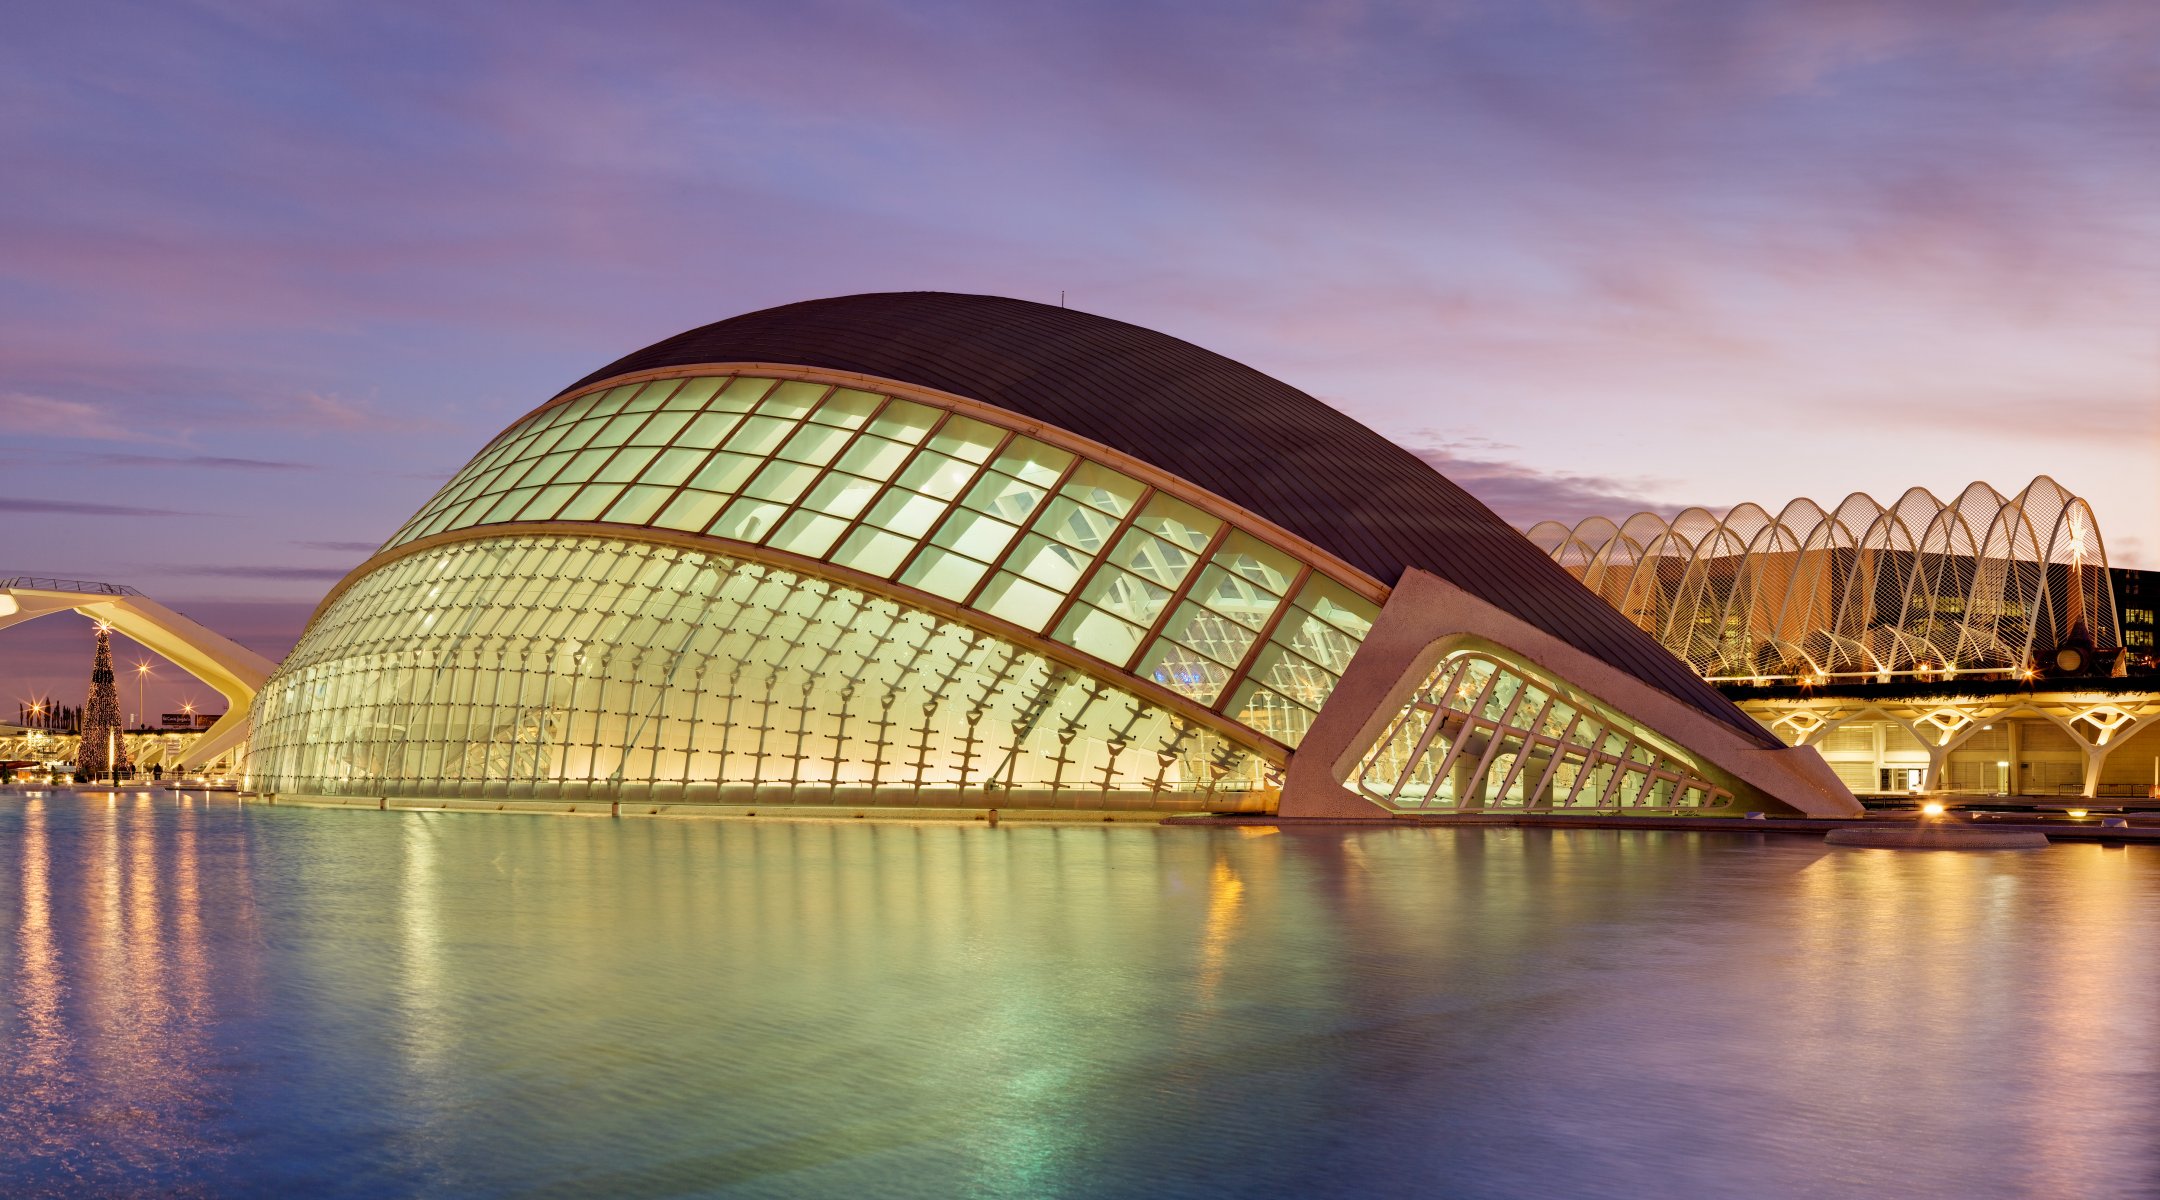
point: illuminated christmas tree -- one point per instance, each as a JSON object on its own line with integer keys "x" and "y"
{"x": 101, "y": 718}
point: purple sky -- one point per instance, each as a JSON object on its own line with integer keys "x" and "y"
{"x": 269, "y": 273}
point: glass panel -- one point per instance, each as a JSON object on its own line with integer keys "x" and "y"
{"x": 975, "y": 535}
{"x": 782, "y": 481}
{"x": 906, "y": 513}
{"x": 943, "y": 573}
{"x": 661, "y": 429}
{"x": 742, "y": 393}
{"x": 549, "y": 502}
{"x": 707, "y": 430}
{"x": 725, "y": 473}
{"x": 582, "y": 467}
{"x": 1211, "y": 635}
{"x": 1101, "y": 488}
{"x": 1152, "y": 558}
{"x": 874, "y": 457}
{"x": 791, "y": 398}
{"x": 967, "y": 438}
{"x": 841, "y": 495}
{"x": 694, "y": 393}
{"x": 1270, "y": 713}
{"x": 1092, "y": 631}
{"x": 1015, "y": 599}
{"x": 1248, "y": 557}
{"x": 591, "y": 500}
{"x": 937, "y": 475}
{"x": 626, "y": 464}
{"x": 748, "y": 519}
{"x": 1127, "y": 595}
{"x": 1183, "y": 671}
{"x": 1338, "y": 606}
{"x": 649, "y": 397}
{"x": 874, "y": 552}
{"x": 638, "y": 504}
{"x": 1075, "y": 525}
{"x": 847, "y": 409}
{"x": 1003, "y": 496}
{"x": 673, "y": 467}
{"x": 807, "y": 533}
{"x": 1047, "y": 563}
{"x": 758, "y": 435}
{"x": 1034, "y": 462}
{"x": 905, "y": 421}
{"x": 1176, "y": 521}
{"x": 691, "y": 511}
{"x": 815, "y": 443}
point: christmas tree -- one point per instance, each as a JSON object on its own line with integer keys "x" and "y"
{"x": 101, "y": 718}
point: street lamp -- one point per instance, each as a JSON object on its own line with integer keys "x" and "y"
{"x": 142, "y": 672}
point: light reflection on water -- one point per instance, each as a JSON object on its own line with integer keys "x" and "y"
{"x": 204, "y": 999}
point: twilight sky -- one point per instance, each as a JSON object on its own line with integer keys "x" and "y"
{"x": 271, "y": 272}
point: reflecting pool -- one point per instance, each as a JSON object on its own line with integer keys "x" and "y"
{"x": 204, "y": 999}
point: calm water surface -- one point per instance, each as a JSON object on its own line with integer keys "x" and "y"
{"x": 238, "y": 1001}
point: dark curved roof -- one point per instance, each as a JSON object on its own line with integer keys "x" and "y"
{"x": 1247, "y": 437}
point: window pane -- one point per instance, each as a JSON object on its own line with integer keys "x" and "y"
{"x": 905, "y": 421}
{"x": 741, "y": 394}
{"x": 1152, "y": 558}
{"x": 938, "y": 475}
{"x": 846, "y": 409}
{"x": 661, "y": 429}
{"x": 707, "y": 430}
{"x": 548, "y": 502}
{"x": 1015, "y": 599}
{"x": 792, "y": 398}
{"x": 673, "y": 467}
{"x": 841, "y": 495}
{"x": 747, "y": 519}
{"x": 626, "y": 464}
{"x": 507, "y": 505}
{"x": 618, "y": 429}
{"x": 815, "y": 444}
{"x": 649, "y": 397}
{"x": 943, "y": 573}
{"x": 873, "y": 552}
{"x": 808, "y": 533}
{"x": 1092, "y": 631}
{"x": 1101, "y": 488}
{"x": 1176, "y": 521}
{"x": 1047, "y": 563}
{"x": 874, "y": 457}
{"x": 1183, "y": 671}
{"x": 906, "y": 513}
{"x": 691, "y": 511}
{"x": 1246, "y": 556}
{"x": 975, "y": 535}
{"x": 1234, "y": 597}
{"x": 694, "y": 392}
{"x": 1126, "y": 595}
{"x": 781, "y": 481}
{"x": 725, "y": 473}
{"x": 967, "y": 438}
{"x": 1075, "y": 525}
{"x": 638, "y": 504}
{"x": 591, "y": 500}
{"x": 758, "y": 435}
{"x": 1004, "y": 497}
{"x": 1223, "y": 640}
{"x": 1028, "y": 459}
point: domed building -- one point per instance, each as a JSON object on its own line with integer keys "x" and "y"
{"x": 933, "y": 550}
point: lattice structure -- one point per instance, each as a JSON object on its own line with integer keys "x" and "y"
{"x": 1485, "y": 734}
{"x": 1979, "y": 583}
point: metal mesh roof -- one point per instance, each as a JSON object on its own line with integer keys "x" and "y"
{"x": 1241, "y": 434}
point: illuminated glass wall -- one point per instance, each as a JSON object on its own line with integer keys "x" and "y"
{"x": 1481, "y": 733}
{"x": 940, "y": 503}
{"x": 568, "y": 667}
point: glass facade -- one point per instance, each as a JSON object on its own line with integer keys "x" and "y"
{"x": 580, "y": 666}
{"x": 1483, "y": 734}
{"x": 944, "y": 504}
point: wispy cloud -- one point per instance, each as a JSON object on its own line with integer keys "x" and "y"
{"x": 83, "y": 508}
{"x": 208, "y": 461}
{"x": 1524, "y": 495}
{"x": 342, "y": 547}
{"x": 293, "y": 574}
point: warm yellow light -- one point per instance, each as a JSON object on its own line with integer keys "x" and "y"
{"x": 1932, "y": 809}
{"x": 2077, "y": 812}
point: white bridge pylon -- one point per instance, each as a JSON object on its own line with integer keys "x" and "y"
{"x": 234, "y": 670}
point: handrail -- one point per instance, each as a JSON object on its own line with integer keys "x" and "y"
{"x": 43, "y": 584}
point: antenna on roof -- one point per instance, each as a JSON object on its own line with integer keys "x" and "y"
{"x": 1061, "y": 297}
